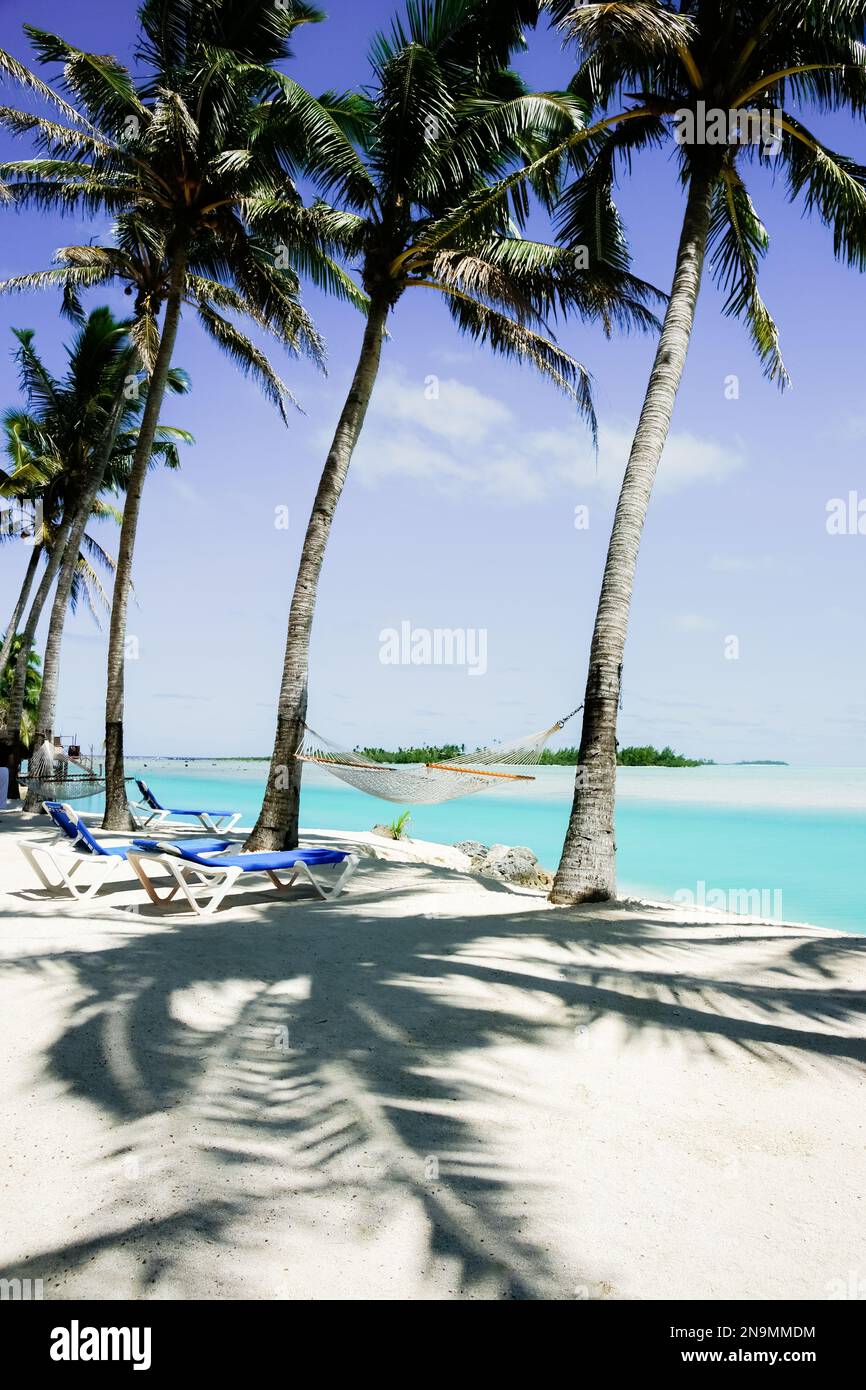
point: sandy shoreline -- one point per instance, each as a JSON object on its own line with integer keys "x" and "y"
{"x": 436, "y": 1087}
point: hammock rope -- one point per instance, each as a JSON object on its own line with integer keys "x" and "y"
{"x": 54, "y": 776}
{"x": 427, "y": 784}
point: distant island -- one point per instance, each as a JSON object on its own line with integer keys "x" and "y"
{"x": 429, "y": 754}
{"x": 559, "y": 757}
{"x": 642, "y": 756}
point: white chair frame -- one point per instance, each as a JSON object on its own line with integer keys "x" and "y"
{"x": 204, "y": 886}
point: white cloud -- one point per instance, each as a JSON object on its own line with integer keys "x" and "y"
{"x": 465, "y": 441}
{"x": 171, "y": 695}
{"x": 689, "y": 459}
{"x": 686, "y": 459}
{"x": 850, "y": 430}
{"x": 739, "y": 564}
{"x": 455, "y": 412}
{"x": 185, "y": 491}
{"x": 692, "y": 622}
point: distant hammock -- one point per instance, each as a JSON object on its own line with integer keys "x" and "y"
{"x": 56, "y": 777}
{"x": 425, "y": 784}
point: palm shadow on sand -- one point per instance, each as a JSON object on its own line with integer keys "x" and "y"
{"x": 356, "y": 1051}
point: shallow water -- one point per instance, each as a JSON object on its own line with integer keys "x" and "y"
{"x": 781, "y": 841}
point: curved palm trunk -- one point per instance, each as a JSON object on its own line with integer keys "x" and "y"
{"x": 117, "y": 815}
{"x": 51, "y": 662}
{"x": 40, "y": 598}
{"x": 21, "y": 604}
{"x": 277, "y": 825}
{"x": 587, "y": 869}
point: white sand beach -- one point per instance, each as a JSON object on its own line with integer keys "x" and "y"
{"x": 437, "y": 1087}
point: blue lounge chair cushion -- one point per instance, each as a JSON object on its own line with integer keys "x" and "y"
{"x": 61, "y": 819}
{"x": 86, "y": 841}
{"x": 255, "y": 862}
{"x": 148, "y": 795}
{"x": 259, "y": 862}
{"x": 206, "y": 845}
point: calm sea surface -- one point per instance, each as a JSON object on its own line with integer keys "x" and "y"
{"x": 796, "y": 836}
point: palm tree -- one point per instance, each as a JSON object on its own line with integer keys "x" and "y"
{"x": 26, "y": 723}
{"x": 23, "y": 521}
{"x": 36, "y": 518}
{"x": 20, "y": 605}
{"x": 416, "y": 167}
{"x": 192, "y": 156}
{"x": 675, "y": 64}
{"x": 101, "y": 412}
{"x": 39, "y": 477}
{"x": 76, "y": 436}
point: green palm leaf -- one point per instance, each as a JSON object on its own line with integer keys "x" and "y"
{"x": 250, "y": 359}
{"x": 737, "y": 242}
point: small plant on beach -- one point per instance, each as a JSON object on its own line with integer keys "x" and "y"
{"x": 397, "y": 828}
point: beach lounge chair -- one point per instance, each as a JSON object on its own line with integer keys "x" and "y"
{"x": 57, "y": 864}
{"x": 204, "y": 879}
{"x": 150, "y": 812}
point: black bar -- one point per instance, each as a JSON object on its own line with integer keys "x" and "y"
{"x": 177, "y": 1338}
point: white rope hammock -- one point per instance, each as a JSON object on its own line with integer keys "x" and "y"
{"x": 56, "y": 777}
{"x": 425, "y": 784}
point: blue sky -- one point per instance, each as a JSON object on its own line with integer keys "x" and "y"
{"x": 459, "y": 512}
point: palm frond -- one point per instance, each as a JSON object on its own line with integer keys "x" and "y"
{"x": 51, "y": 137}
{"x": 25, "y": 78}
{"x": 108, "y": 562}
{"x": 251, "y": 361}
{"x": 586, "y": 214}
{"x": 314, "y": 141}
{"x": 520, "y": 343}
{"x": 476, "y": 214}
{"x": 145, "y": 336}
{"x": 172, "y": 126}
{"x": 87, "y": 587}
{"x": 415, "y": 115}
{"x": 38, "y": 385}
{"x": 833, "y": 185}
{"x": 737, "y": 242}
{"x": 638, "y": 28}
{"x": 307, "y": 240}
{"x": 99, "y": 83}
{"x": 56, "y": 278}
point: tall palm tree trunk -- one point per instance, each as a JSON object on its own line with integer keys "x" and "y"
{"x": 117, "y": 815}
{"x": 587, "y": 869}
{"x": 51, "y": 661}
{"x": 277, "y": 825}
{"x": 40, "y": 598}
{"x": 21, "y": 604}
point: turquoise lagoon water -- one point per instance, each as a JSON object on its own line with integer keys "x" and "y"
{"x": 796, "y": 835}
